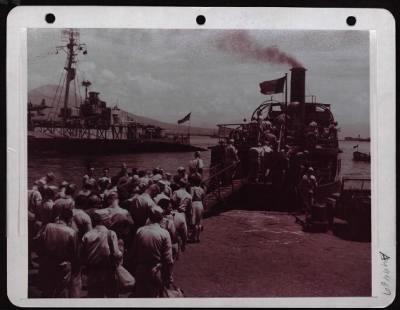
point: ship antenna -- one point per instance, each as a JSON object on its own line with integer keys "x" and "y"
{"x": 72, "y": 49}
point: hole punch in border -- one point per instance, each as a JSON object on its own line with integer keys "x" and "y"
{"x": 351, "y": 21}
{"x": 50, "y": 18}
{"x": 200, "y": 20}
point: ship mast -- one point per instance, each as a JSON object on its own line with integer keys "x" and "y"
{"x": 72, "y": 49}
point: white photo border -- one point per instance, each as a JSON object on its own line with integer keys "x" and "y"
{"x": 379, "y": 22}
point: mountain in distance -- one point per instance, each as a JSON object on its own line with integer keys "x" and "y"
{"x": 47, "y": 92}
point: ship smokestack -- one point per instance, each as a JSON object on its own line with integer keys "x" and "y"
{"x": 298, "y": 85}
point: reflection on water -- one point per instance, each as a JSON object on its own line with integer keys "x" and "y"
{"x": 73, "y": 167}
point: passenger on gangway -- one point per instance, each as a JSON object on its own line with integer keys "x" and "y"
{"x": 308, "y": 186}
{"x": 231, "y": 159}
{"x": 196, "y": 165}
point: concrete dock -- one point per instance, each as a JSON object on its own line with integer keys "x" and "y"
{"x": 266, "y": 254}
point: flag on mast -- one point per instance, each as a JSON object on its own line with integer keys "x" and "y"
{"x": 185, "y": 119}
{"x": 272, "y": 86}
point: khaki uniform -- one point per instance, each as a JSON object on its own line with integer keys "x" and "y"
{"x": 61, "y": 203}
{"x": 34, "y": 200}
{"x": 308, "y": 186}
{"x": 140, "y": 212}
{"x": 58, "y": 251}
{"x": 81, "y": 222}
{"x": 168, "y": 224}
{"x": 34, "y": 203}
{"x": 45, "y": 212}
{"x": 97, "y": 256}
{"x": 181, "y": 232}
{"x": 121, "y": 222}
{"x": 196, "y": 165}
{"x": 153, "y": 260}
{"x": 256, "y": 155}
{"x": 182, "y": 200}
{"x": 231, "y": 158}
{"x": 198, "y": 195}
{"x": 183, "y": 203}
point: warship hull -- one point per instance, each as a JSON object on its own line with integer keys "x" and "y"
{"x": 103, "y": 146}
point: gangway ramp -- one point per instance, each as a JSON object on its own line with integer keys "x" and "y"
{"x": 220, "y": 189}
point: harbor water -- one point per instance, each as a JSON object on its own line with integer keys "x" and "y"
{"x": 73, "y": 167}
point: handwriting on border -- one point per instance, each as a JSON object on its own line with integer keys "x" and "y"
{"x": 386, "y": 273}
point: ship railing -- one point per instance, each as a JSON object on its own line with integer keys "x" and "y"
{"x": 221, "y": 179}
{"x": 225, "y": 130}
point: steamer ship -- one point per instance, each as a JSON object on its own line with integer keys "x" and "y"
{"x": 305, "y": 127}
{"x": 306, "y": 133}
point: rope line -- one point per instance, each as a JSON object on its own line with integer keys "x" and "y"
{"x": 55, "y": 95}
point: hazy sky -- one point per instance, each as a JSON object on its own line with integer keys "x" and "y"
{"x": 165, "y": 74}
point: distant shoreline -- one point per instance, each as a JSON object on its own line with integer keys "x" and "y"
{"x": 356, "y": 139}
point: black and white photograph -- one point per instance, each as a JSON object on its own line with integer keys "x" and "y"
{"x": 198, "y": 163}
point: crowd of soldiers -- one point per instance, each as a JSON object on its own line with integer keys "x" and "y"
{"x": 137, "y": 222}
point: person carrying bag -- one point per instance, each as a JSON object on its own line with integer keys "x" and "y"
{"x": 171, "y": 291}
{"x": 124, "y": 279}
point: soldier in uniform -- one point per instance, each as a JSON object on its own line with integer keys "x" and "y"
{"x": 198, "y": 194}
{"x": 231, "y": 158}
{"x": 181, "y": 174}
{"x": 106, "y": 175}
{"x": 308, "y": 185}
{"x": 61, "y": 190}
{"x": 123, "y": 171}
{"x": 196, "y": 165}
{"x": 65, "y": 202}
{"x": 48, "y": 179}
{"x": 58, "y": 251}
{"x": 120, "y": 219}
{"x": 168, "y": 222}
{"x": 101, "y": 254}
{"x": 45, "y": 210}
{"x": 181, "y": 231}
{"x": 143, "y": 204}
{"x": 140, "y": 211}
{"x": 182, "y": 201}
{"x": 153, "y": 257}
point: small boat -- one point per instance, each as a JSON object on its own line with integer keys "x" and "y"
{"x": 352, "y": 208}
{"x": 359, "y": 156}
